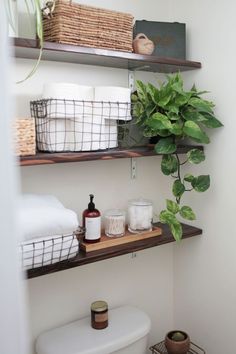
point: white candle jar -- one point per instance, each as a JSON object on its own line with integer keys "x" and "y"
{"x": 140, "y": 213}
{"x": 114, "y": 223}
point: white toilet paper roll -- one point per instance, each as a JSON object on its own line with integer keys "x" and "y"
{"x": 116, "y": 102}
{"x": 73, "y": 104}
{"x": 67, "y": 96}
{"x": 111, "y": 133}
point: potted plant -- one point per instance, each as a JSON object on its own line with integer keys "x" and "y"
{"x": 177, "y": 342}
{"x": 173, "y": 114}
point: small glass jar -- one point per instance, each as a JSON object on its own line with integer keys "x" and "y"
{"x": 140, "y": 215}
{"x": 99, "y": 314}
{"x": 114, "y": 223}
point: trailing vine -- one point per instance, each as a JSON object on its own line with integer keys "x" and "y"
{"x": 173, "y": 114}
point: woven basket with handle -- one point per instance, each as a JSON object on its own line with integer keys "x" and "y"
{"x": 89, "y": 26}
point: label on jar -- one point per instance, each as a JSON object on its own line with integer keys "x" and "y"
{"x": 93, "y": 228}
{"x": 101, "y": 317}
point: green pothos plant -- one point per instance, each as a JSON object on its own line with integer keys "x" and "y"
{"x": 173, "y": 114}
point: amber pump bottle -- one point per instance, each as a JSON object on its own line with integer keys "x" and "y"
{"x": 92, "y": 222}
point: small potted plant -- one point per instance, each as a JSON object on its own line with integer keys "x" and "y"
{"x": 177, "y": 342}
{"x": 173, "y": 114}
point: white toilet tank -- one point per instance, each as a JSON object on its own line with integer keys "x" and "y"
{"x": 126, "y": 333}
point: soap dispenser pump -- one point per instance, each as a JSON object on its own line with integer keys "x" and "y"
{"x": 92, "y": 222}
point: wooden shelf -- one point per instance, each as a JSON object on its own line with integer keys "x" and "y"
{"x": 44, "y": 158}
{"x": 82, "y": 258}
{"x": 28, "y": 48}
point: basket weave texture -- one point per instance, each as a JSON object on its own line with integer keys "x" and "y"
{"x": 24, "y": 137}
{"x": 89, "y": 26}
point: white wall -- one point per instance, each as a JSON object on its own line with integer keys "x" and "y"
{"x": 145, "y": 281}
{"x": 12, "y": 304}
{"x": 205, "y": 269}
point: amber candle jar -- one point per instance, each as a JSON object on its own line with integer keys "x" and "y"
{"x": 99, "y": 314}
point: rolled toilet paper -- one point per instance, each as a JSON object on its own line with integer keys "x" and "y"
{"x": 111, "y": 135}
{"x": 116, "y": 102}
{"x": 69, "y": 99}
{"x": 73, "y": 105}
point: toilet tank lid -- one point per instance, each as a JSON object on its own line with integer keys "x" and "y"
{"x": 126, "y": 325}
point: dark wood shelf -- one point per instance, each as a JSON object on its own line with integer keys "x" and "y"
{"x": 82, "y": 258}
{"x": 28, "y": 48}
{"x": 43, "y": 158}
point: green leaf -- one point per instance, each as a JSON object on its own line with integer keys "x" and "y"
{"x": 134, "y": 98}
{"x": 193, "y": 130}
{"x": 187, "y": 213}
{"x": 172, "y": 206}
{"x": 164, "y": 101}
{"x": 166, "y": 217}
{"x": 193, "y": 115}
{"x": 149, "y": 109}
{"x": 169, "y": 164}
{"x": 176, "y": 230}
{"x": 163, "y": 132}
{"x": 165, "y": 146}
{"x": 188, "y": 177}
{"x": 141, "y": 91}
{"x": 201, "y": 183}
{"x": 182, "y": 99}
{"x": 172, "y": 108}
{"x": 201, "y": 105}
{"x": 211, "y": 121}
{"x": 153, "y": 92}
{"x": 176, "y": 129}
{"x": 178, "y": 188}
{"x": 195, "y": 156}
{"x": 159, "y": 121}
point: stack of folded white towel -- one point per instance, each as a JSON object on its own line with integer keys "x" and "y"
{"x": 48, "y": 230}
{"x": 82, "y": 118}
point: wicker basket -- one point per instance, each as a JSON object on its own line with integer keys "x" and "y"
{"x": 24, "y": 137}
{"x": 89, "y": 26}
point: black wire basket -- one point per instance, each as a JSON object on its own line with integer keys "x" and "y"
{"x": 49, "y": 251}
{"x": 160, "y": 348}
{"x": 70, "y": 125}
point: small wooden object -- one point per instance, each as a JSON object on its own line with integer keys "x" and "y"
{"x": 107, "y": 242}
{"x": 143, "y": 45}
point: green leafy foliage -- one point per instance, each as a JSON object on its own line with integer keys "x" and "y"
{"x": 192, "y": 130}
{"x": 201, "y": 183}
{"x": 178, "y": 188}
{"x": 188, "y": 177}
{"x": 176, "y": 230}
{"x": 169, "y": 103}
{"x": 187, "y": 213}
{"x": 165, "y": 146}
{"x": 173, "y": 207}
{"x": 195, "y": 156}
{"x": 172, "y": 113}
{"x": 169, "y": 164}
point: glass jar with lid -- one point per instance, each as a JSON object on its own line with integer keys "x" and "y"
{"x": 140, "y": 212}
{"x": 114, "y": 220}
{"x": 99, "y": 314}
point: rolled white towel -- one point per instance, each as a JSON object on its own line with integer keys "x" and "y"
{"x": 41, "y": 216}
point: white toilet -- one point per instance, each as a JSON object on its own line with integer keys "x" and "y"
{"x": 126, "y": 333}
